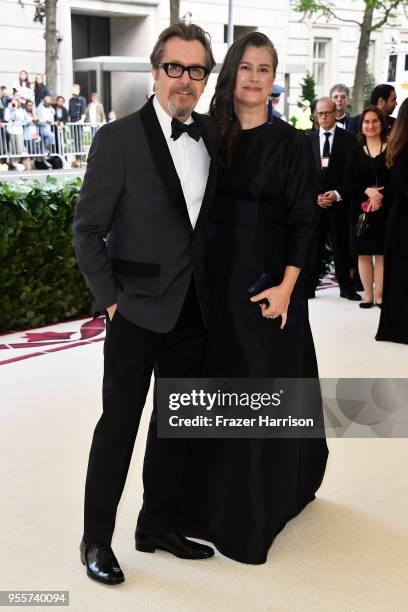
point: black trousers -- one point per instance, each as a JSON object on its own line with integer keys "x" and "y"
{"x": 333, "y": 222}
{"x": 131, "y": 354}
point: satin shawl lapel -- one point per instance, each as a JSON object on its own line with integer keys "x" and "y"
{"x": 163, "y": 159}
{"x": 212, "y": 172}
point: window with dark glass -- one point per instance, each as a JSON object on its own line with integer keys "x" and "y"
{"x": 239, "y": 30}
{"x": 392, "y": 68}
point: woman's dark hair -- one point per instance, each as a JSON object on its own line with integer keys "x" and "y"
{"x": 221, "y": 107}
{"x": 39, "y": 87}
{"x": 399, "y": 135}
{"x": 384, "y": 126}
{"x": 188, "y": 32}
{"x": 26, "y": 81}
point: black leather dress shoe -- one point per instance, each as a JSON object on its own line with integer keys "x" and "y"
{"x": 101, "y": 563}
{"x": 354, "y": 296}
{"x": 173, "y": 543}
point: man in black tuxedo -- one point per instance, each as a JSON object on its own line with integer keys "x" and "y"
{"x": 139, "y": 232}
{"x": 340, "y": 93}
{"x": 383, "y": 97}
{"x": 331, "y": 146}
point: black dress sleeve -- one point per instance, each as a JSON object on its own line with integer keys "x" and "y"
{"x": 384, "y": 180}
{"x": 400, "y": 205}
{"x": 400, "y": 174}
{"x": 301, "y": 197}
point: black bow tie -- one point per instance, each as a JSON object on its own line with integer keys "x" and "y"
{"x": 342, "y": 119}
{"x": 192, "y": 129}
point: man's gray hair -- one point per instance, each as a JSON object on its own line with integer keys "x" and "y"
{"x": 188, "y": 32}
{"x": 340, "y": 87}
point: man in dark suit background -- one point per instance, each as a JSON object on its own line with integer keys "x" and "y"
{"x": 331, "y": 146}
{"x": 139, "y": 233}
{"x": 383, "y": 97}
{"x": 340, "y": 93}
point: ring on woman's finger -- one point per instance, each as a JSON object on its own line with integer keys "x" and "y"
{"x": 272, "y": 316}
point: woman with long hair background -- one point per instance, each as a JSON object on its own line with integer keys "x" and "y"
{"x": 239, "y": 493}
{"x": 393, "y": 324}
{"x": 22, "y": 85}
{"x": 40, "y": 89}
{"x": 366, "y": 181}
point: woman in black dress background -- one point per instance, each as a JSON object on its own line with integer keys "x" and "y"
{"x": 239, "y": 493}
{"x": 367, "y": 182}
{"x": 393, "y": 324}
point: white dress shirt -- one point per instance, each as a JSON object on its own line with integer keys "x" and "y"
{"x": 339, "y": 123}
{"x": 191, "y": 161}
{"x": 322, "y": 139}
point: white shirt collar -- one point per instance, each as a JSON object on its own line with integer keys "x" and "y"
{"x": 322, "y": 131}
{"x": 165, "y": 119}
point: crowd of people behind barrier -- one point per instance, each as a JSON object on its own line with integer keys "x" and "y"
{"x": 36, "y": 132}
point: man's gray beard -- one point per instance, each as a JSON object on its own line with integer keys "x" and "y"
{"x": 180, "y": 111}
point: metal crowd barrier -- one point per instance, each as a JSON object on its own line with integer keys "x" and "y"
{"x": 71, "y": 142}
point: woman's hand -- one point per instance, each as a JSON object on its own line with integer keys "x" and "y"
{"x": 374, "y": 194}
{"x": 278, "y": 298}
{"x": 374, "y": 205}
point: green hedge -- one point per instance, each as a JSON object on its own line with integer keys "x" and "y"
{"x": 40, "y": 282}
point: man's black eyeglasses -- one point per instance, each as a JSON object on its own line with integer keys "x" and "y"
{"x": 175, "y": 71}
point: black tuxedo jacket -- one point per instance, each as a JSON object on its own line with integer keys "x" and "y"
{"x": 353, "y": 124}
{"x": 331, "y": 178}
{"x": 133, "y": 237}
{"x": 346, "y": 122}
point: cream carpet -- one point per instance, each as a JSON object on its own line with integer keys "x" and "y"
{"x": 346, "y": 552}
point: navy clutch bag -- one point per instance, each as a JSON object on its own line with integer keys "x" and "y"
{"x": 264, "y": 282}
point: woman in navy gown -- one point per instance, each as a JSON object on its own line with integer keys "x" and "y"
{"x": 239, "y": 493}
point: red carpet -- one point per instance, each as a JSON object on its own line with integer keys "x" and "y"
{"x": 58, "y": 337}
{"x": 19, "y": 345}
